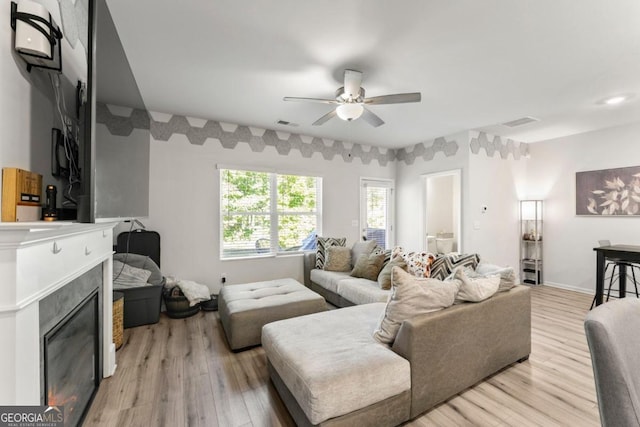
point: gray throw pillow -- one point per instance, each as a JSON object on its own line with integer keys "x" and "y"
{"x": 362, "y": 248}
{"x": 411, "y": 296}
{"x": 475, "y": 289}
{"x": 507, "y": 275}
{"x": 338, "y": 258}
{"x": 384, "y": 278}
{"x": 368, "y": 266}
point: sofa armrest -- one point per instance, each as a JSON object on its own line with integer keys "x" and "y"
{"x": 453, "y": 349}
{"x": 309, "y": 264}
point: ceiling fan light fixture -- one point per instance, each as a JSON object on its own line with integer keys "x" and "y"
{"x": 349, "y": 111}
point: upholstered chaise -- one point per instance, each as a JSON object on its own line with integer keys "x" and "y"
{"x": 329, "y": 370}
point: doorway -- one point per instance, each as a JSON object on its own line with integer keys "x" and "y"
{"x": 442, "y": 195}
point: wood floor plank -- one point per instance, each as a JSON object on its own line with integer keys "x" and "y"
{"x": 180, "y": 372}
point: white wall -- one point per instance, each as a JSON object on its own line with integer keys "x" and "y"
{"x": 569, "y": 259}
{"x": 410, "y": 198}
{"x": 493, "y": 182}
{"x": 440, "y": 194}
{"x": 26, "y": 110}
{"x": 18, "y": 99}
{"x": 184, "y": 205}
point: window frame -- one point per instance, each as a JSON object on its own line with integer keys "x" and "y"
{"x": 273, "y": 213}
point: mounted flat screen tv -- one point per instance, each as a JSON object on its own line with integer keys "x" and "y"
{"x": 115, "y": 173}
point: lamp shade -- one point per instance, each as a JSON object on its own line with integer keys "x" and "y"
{"x": 349, "y": 111}
{"x": 531, "y": 210}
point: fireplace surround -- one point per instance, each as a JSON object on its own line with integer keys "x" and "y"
{"x": 51, "y": 271}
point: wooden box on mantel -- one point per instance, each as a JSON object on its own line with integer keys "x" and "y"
{"x": 21, "y": 195}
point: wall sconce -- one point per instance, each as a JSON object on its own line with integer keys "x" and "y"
{"x": 36, "y": 35}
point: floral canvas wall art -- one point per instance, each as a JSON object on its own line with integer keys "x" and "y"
{"x": 608, "y": 192}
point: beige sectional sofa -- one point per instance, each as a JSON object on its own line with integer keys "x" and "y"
{"x": 329, "y": 369}
{"x": 339, "y": 288}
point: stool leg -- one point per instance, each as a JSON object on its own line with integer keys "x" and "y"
{"x": 635, "y": 284}
{"x": 613, "y": 273}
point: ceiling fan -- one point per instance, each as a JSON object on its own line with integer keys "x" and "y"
{"x": 351, "y": 102}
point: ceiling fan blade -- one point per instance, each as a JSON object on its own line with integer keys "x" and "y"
{"x": 352, "y": 81}
{"x": 318, "y": 100}
{"x": 397, "y": 98}
{"x": 331, "y": 114}
{"x": 372, "y": 118}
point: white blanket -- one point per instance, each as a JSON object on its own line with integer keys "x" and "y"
{"x": 194, "y": 292}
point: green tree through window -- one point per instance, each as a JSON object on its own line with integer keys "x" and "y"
{"x": 259, "y": 206}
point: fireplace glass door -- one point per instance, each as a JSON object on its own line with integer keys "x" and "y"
{"x": 71, "y": 368}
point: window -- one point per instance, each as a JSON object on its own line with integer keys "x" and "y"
{"x": 263, "y": 213}
{"x": 376, "y": 207}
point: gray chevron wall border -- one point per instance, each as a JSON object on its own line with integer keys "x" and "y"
{"x": 497, "y": 146}
{"x": 427, "y": 152}
{"x": 162, "y": 131}
{"x": 229, "y": 139}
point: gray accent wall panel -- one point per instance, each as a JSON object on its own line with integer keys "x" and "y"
{"x": 163, "y": 130}
{"x": 497, "y": 147}
{"x": 427, "y": 152}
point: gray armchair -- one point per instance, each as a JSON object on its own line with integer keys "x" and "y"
{"x": 613, "y": 334}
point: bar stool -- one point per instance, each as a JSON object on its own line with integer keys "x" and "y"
{"x": 616, "y": 263}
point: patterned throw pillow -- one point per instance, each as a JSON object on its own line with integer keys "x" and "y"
{"x": 445, "y": 264}
{"x": 418, "y": 263}
{"x": 322, "y": 243}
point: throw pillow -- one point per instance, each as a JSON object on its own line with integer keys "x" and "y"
{"x": 362, "y": 248}
{"x": 476, "y": 289}
{"x": 418, "y": 263}
{"x": 126, "y": 276}
{"x": 322, "y": 243}
{"x": 384, "y": 278}
{"x": 386, "y": 252}
{"x": 445, "y": 264}
{"x": 338, "y": 258}
{"x": 412, "y": 296}
{"x": 507, "y": 275}
{"x": 368, "y": 266}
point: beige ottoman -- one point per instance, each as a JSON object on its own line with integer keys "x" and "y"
{"x": 245, "y": 309}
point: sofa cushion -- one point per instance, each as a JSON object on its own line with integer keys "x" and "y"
{"x": 362, "y": 291}
{"x": 328, "y": 279}
{"x": 331, "y": 363}
{"x": 411, "y": 296}
{"x": 322, "y": 243}
{"x": 338, "y": 258}
{"x": 368, "y": 266}
{"x": 445, "y": 264}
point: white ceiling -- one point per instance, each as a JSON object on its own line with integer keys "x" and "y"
{"x": 477, "y": 63}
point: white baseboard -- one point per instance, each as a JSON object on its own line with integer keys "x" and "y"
{"x": 571, "y": 288}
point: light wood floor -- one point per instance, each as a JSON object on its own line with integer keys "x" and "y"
{"x": 181, "y": 373}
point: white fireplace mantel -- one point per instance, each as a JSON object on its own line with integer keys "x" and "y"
{"x": 37, "y": 259}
